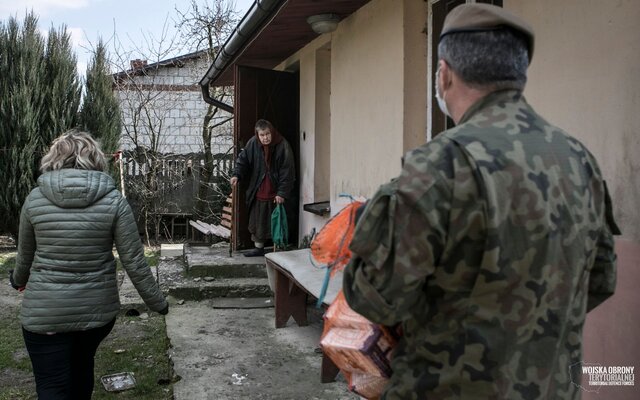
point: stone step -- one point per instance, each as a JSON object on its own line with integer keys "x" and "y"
{"x": 221, "y": 270}
{"x": 215, "y": 261}
{"x": 227, "y": 287}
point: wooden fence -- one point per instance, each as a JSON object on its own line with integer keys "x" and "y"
{"x": 178, "y": 180}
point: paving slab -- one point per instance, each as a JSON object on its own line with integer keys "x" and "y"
{"x": 242, "y": 302}
{"x": 234, "y": 287}
{"x": 229, "y": 354}
{"x": 171, "y": 249}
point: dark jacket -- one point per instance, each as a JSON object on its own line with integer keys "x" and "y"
{"x": 68, "y": 226}
{"x": 250, "y": 165}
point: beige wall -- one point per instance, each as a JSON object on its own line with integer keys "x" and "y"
{"x": 585, "y": 78}
{"x": 415, "y": 74}
{"x": 321, "y": 174}
{"x": 378, "y": 99}
{"x": 377, "y": 102}
{"x": 307, "y": 61}
{"x": 367, "y": 99}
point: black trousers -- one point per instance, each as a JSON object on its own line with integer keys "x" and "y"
{"x": 63, "y": 363}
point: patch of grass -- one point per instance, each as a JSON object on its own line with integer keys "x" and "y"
{"x": 152, "y": 255}
{"x": 11, "y": 341}
{"x": 145, "y": 346}
{"x": 144, "y": 342}
{"x": 7, "y": 262}
{"x": 12, "y": 393}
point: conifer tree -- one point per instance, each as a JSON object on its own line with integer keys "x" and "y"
{"x": 62, "y": 87}
{"x": 22, "y": 51}
{"x": 100, "y": 113}
{"x": 40, "y": 97}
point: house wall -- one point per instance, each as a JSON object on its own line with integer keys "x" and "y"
{"x": 176, "y": 109}
{"x": 415, "y": 74}
{"x": 308, "y": 107}
{"x": 366, "y": 100}
{"x": 378, "y": 95}
{"x": 584, "y": 79}
{"x": 377, "y": 103}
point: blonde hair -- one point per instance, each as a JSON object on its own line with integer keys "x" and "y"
{"x": 74, "y": 149}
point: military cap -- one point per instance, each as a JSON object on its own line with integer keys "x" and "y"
{"x": 479, "y": 17}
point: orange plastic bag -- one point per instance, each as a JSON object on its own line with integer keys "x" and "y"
{"x": 331, "y": 244}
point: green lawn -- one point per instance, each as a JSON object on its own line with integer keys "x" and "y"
{"x": 137, "y": 345}
{"x": 7, "y": 262}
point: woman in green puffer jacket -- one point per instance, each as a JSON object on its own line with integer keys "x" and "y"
{"x": 65, "y": 265}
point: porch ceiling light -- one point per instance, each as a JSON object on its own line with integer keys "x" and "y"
{"x": 323, "y": 23}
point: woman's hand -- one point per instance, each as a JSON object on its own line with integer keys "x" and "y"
{"x": 13, "y": 284}
{"x": 233, "y": 180}
{"x": 279, "y": 200}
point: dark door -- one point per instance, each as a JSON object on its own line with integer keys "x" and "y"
{"x": 439, "y": 11}
{"x": 270, "y": 95}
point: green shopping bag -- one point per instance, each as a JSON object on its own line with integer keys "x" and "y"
{"x": 279, "y": 227}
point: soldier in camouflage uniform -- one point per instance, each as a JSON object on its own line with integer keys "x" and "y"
{"x": 495, "y": 240}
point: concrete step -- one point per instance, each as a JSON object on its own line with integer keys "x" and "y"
{"x": 215, "y": 261}
{"x": 175, "y": 283}
{"x": 220, "y": 271}
{"x": 227, "y": 287}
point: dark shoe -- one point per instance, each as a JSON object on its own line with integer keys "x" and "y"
{"x": 254, "y": 253}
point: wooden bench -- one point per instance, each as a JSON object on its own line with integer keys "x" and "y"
{"x": 227, "y": 213}
{"x": 296, "y": 278}
{"x": 224, "y": 229}
{"x": 208, "y": 229}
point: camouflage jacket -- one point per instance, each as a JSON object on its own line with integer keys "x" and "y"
{"x": 489, "y": 248}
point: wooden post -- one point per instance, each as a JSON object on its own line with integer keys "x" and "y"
{"x": 120, "y": 165}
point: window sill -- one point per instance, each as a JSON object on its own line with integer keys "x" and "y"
{"x": 321, "y": 208}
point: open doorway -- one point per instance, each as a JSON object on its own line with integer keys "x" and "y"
{"x": 271, "y": 95}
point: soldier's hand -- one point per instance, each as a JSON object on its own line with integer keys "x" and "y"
{"x": 233, "y": 180}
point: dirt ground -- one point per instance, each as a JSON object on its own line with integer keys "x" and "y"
{"x": 218, "y": 352}
{"x": 10, "y": 376}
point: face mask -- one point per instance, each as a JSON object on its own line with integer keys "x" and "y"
{"x": 441, "y": 103}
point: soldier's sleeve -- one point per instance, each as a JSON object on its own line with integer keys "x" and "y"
{"x": 397, "y": 243}
{"x": 602, "y": 279}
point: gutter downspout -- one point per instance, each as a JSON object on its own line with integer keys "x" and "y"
{"x": 210, "y": 100}
{"x": 258, "y": 13}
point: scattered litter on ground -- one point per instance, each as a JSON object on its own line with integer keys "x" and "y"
{"x": 118, "y": 382}
{"x": 238, "y": 378}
